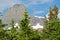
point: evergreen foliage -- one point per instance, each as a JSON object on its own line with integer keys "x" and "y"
{"x": 26, "y": 32}
{"x": 53, "y": 13}
{"x": 51, "y": 29}
{"x": 13, "y": 33}
{"x": 3, "y": 35}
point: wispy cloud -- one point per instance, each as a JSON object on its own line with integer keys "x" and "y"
{"x": 38, "y": 12}
{"x": 7, "y": 3}
{"x": 46, "y": 1}
{"x": 31, "y": 4}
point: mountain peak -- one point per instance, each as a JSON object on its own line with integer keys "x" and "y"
{"x": 18, "y": 5}
{"x": 16, "y": 12}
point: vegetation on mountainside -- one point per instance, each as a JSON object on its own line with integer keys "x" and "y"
{"x": 51, "y": 30}
{"x": 23, "y": 33}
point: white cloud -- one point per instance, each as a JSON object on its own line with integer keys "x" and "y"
{"x": 7, "y": 3}
{"x": 32, "y": 2}
{"x": 59, "y": 14}
{"x": 38, "y": 12}
{"x": 46, "y": 1}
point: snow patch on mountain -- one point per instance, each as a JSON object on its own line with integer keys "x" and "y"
{"x": 38, "y": 26}
{"x": 39, "y": 17}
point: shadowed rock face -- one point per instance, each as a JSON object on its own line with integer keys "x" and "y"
{"x": 16, "y": 12}
{"x": 34, "y": 20}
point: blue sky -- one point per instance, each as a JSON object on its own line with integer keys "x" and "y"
{"x": 34, "y": 7}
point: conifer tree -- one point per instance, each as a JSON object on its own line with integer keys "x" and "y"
{"x": 26, "y": 33}
{"x": 12, "y": 32}
{"x": 24, "y": 26}
{"x": 53, "y": 13}
{"x": 51, "y": 29}
{"x": 3, "y": 35}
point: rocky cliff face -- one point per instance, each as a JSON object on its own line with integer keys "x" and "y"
{"x": 16, "y": 12}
